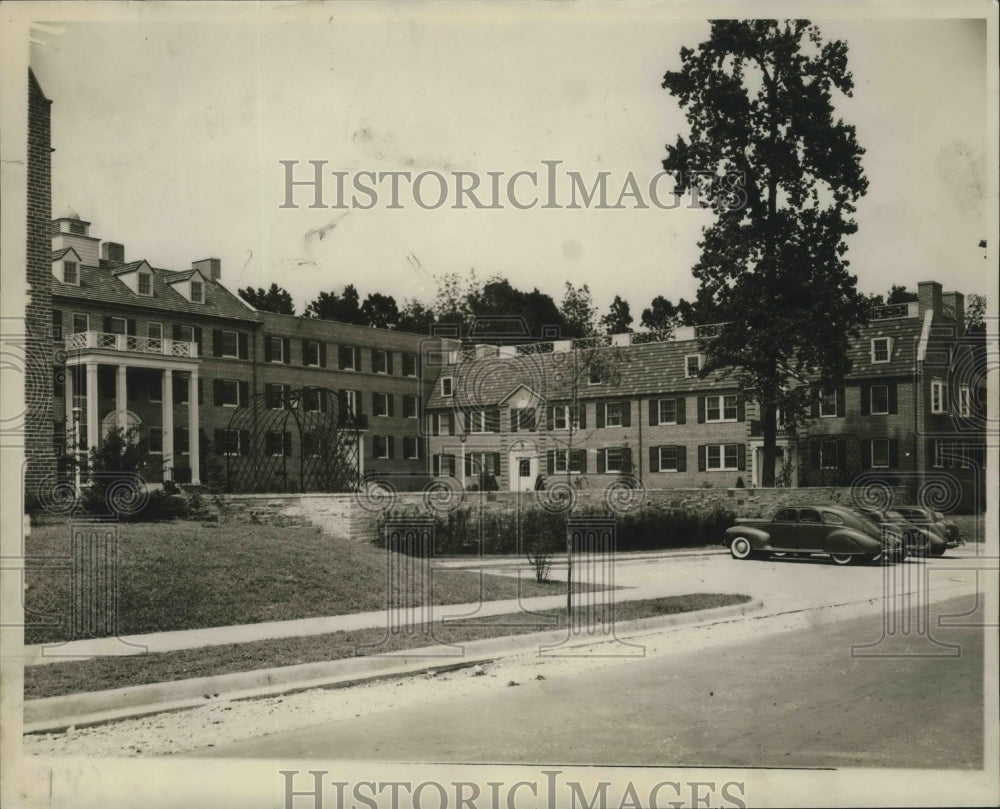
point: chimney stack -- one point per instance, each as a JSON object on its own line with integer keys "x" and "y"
{"x": 113, "y": 253}
{"x": 209, "y": 267}
{"x": 953, "y": 306}
{"x": 929, "y": 297}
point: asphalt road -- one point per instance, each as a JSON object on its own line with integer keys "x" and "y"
{"x": 786, "y": 699}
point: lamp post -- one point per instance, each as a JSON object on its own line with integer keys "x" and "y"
{"x": 76, "y": 411}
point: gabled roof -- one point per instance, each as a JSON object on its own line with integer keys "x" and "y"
{"x": 132, "y": 266}
{"x": 183, "y": 275}
{"x": 58, "y": 254}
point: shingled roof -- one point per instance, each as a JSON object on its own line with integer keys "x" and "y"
{"x": 99, "y": 285}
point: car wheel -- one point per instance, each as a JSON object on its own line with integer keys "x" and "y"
{"x": 741, "y": 548}
{"x": 778, "y": 554}
{"x": 842, "y": 558}
{"x": 938, "y": 550}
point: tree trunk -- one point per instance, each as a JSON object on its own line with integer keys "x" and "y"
{"x": 769, "y": 428}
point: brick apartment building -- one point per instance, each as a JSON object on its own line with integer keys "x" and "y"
{"x": 910, "y": 409}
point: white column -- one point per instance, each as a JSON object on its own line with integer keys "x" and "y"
{"x": 121, "y": 399}
{"x": 193, "y": 448}
{"x": 93, "y": 429}
{"x": 70, "y": 393}
{"x": 167, "y": 395}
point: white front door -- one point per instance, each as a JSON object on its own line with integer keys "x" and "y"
{"x": 523, "y": 471}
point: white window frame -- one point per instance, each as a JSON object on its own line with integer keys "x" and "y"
{"x": 380, "y": 404}
{"x": 659, "y": 411}
{"x": 477, "y": 421}
{"x": 964, "y": 401}
{"x": 280, "y": 391}
{"x": 415, "y": 442}
{"x": 875, "y": 344}
{"x": 939, "y": 397}
{"x": 662, "y": 465}
{"x": 157, "y": 431}
{"x": 871, "y": 400}
{"x": 618, "y": 411}
{"x": 410, "y": 397}
{"x": 140, "y": 277}
{"x": 222, "y": 343}
{"x": 351, "y": 400}
{"x": 159, "y": 399}
{"x": 181, "y": 327}
{"x": 227, "y": 434}
{"x": 719, "y": 450}
{"x": 447, "y": 386}
{"x": 721, "y": 406}
{"x": 881, "y": 443}
{"x": 76, "y": 273}
{"x": 608, "y": 468}
{"x": 198, "y": 286}
{"x": 124, "y": 321}
{"x": 414, "y": 358}
{"x": 86, "y": 322}
{"x": 698, "y": 358}
{"x": 236, "y": 387}
{"x": 279, "y": 355}
{"x": 384, "y": 439}
{"x": 177, "y": 433}
{"x": 440, "y": 425}
{"x": 827, "y": 401}
{"x": 382, "y": 355}
{"x": 311, "y": 344}
{"x": 267, "y": 440}
{"x": 154, "y": 326}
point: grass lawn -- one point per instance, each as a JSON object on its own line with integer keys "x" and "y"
{"x": 117, "y": 672}
{"x": 190, "y": 575}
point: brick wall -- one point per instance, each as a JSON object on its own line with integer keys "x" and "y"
{"x": 38, "y": 316}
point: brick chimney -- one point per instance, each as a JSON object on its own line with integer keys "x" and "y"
{"x": 210, "y": 268}
{"x": 953, "y": 306}
{"x": 929, "y": 297}
{"x": 113, "y": 253}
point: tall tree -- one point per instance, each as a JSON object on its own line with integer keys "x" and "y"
{"x": 661, "y": 315}
{"x": 345, "y": 307}
{"x": 781, "y": 175}
{"x": 416, "y": 317}
{"x": 380, "y": 311}
{"x": 899, "y": 294}
{"x": 274, "y": 299}
{"x": 618, "y": 320}
{"x": 579, "y": 315}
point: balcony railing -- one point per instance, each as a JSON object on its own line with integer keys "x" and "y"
{"x": 129, "y": 342}
{"x": 757, "y": 429}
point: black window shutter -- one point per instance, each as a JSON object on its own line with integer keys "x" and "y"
{"x": 602, "y": 461}
{"x": 201, "y": 391}
{"x": 359, "y": 403}
{"x": 814, "y": 454}
{"x": 682, "y": 464}
{"x": 627, "y": 458}
{"x": 741, "y": 409}
{"x": 581, "y": 455}
{"x": 176, "y": 332}
{"x": 513, "y": 421}
{"x": 322, "y": 355}
{"x": 216, "y": 343}
{"x": 435, "y": 424}
{"x": 197, "y": 338}
{"x": 451, "y": 423}
{"x": 841, "y": 410}
{"x": 344, "y": 354}
{"x": 451, "y": 465}
{"x": 286, "y": 443}
{"x": 496, "y": 463}
{"x": 267, "y": 348}
{"x": 217, "y": 392}
{"x": 392, "y": 446}
{"x": 219, "y": 441}
{"x": 654, "y": 457}
{"x": 493, "y": 420}
{"x": 681, "y": 410}
{"x": 866, "y": 400}
{"x": 866, "y": 453}
{"x": 654, "y": 415}
{"x": 388, "y": 399}
{"x": 305, "y": 352}
{"x": 244, "y": 393}
{"x": 244, "y": 442}
{"x": 893, "y": 452}
{"x": 388, "y": 362}
{"x": 550, "y": 462}
{"x": 931, "y": 452}
{"x": 841, "y": 454}
{"x": 582, "y": 408}
{"x": 893, "y": 401}
{"x": 107, "y": 325}
{"x": 741, "y": 457}
{"x": 549, "y": 420}
{"x": 600, "y": 416}
{"x": 357, "y": 359}
{"x": 243, "y": 345}
{"x": 701, "y": 409}
{"x": 702, "y": 457}
{"x": 130, "y": 327}
{"x": 814, "y": 404}
{"x": 286, "y": 350}
{"x": 626, "y": 413}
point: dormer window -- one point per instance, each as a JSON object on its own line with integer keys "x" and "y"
{"x": 71, "y": 273}
{"x": 197, "y": 291}
{"x": 145, "y": 284}
{"x": 881, "y": 349}
{"x": 447, "y": 386}
{"x": 692, "y": 365}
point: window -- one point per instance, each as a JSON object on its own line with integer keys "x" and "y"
{"x": 310, "y": 353}
{"x": 184, "y": 334}
{"x": 351, "y": 402}
{"x": 275, "y": 348}
{"x": 227, "y": 392}
{"x": 312, "y": 444}
{"x": 447, "y": 386}
{"x": 276, "y": 395}
{"x": 964, "y": 401}
{"x": 829, "y": 518}
{"x": 381, "y": 361}
{"x": 881, "y": 349}
{"x": 409, "y": 406}
{"x": 81, "y": 322}
{"x": 616, "y": 459}
{"x": 154, "y": 331}
{"x": 156, "y": 440}
{"x": 879, "y": 399}
{"x": 313, "y": 401}
{"x": 182, "y": 441}
{"x": 145, "y": 284}
{"x": 350, "y": 358}
{"x": 613, "y": 414}
{"x": 381, "y": 404}
{"x": 667, "y": 458}
{"x": 442, "y": 423}
{"x": 116, "y": 325}
{"x": 566, "y": 461}
{"x": 721, "y": 408}
{"x": 197, "y": 292}
{"x": 411, "y": 447}
{"x": 880, "y": 453}
{"x": 787, "y": 515}
{"x": 231, "y": 442}
{"x": 722, "y": 457}
{"x": 564, "y": 417}
{"x": 809, "y": 515}
{"x": 156, "y": 387}
{"x": 443, "y": 465}
{"x": 828, "y": 456}
{"x": 476, "y": 421}
{"x": 595, "y": 377}
{"x": 692, "y": 365}
{"x": 939, "y": 396}
{"x": 522, "y": 420}
{"x": 409, "y": 365}
{"x": 382, "y": 446}
{"x": 229, "y": 343}
{"x": 666, "y": 411}
{"x": 278, "y": 444}
{"x": 482, "y": 466}
{"x": 56, "y": 324}
{"x": 71, "y": 273}
{"x": 828, "y": 403}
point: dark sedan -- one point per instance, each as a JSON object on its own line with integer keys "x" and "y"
{"x": 944, "y": 533}
{"x": 916, "y": 540}
{"x": 835, "y": 531}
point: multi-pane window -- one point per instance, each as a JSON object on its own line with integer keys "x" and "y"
{"x": 409, "y": 365}
{"x": 276, "y": 395}
{"x": 381, "y": 404}
{"x": 721, "y": 408}
{"x": 828, "y": 403}
{"x": 71, "y": 273}
{"x": 409, "y": 406}
{"x": 722, "y": 457}
{"x": 667, "y": 459}
{"x": 154, "y": 331}
{"x": 277, "y": 443}
{"x": 310, "y": 353}
{"x": 666, "y": 411}
{"x": 564, "y": 417}
{"x": 313, "y": 401}
{"x": 447, "y": 386}
{"x": 411, "y": 446}
{"x": 442, "y": 423}
{"x": 692, "y": 365}
{"x": 880, "y": 453}
{"x": 881, "y": 349}
{"x": 145, "y": 284}
{"x": 182, "y": 441}
{"x": 939, "y": 396}
{"x": 571, "y": 461}
{"x": 964, "y": 401}
{"x": 229, "y": 343}
{"x": 350, "y": 358}
{"x": 879, "y": 399}
{"x": 828, "y": 456}
{"x": 156, "y": 387}
{"x": 613, "y": 414}
{"x": 81, "y": 322}
{"x": 522, "y": 419}
{"x": 117, "y": 325}
{"x": 616, "y": 459}
{"x": 381, "y": 445}
{"x": 380, "y": 361}
{"x": 156, "y": 440}
{"x": 276, "y": 348}
{"x": 56, "y": 324}
{"x": 197, "y": 292}
{"x": 182, "y": 384}
{"x": 229, "y": 392}
{"x": 476, "y": 421}
{"x": 231, "y": 442}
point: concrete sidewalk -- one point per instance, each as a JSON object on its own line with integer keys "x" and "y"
{"x": 42, "y": 654}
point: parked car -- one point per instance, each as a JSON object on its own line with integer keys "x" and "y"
{"x": 916, "y": 540}
{"x": 835, "y": 531}
{"x": 944, "y": 533}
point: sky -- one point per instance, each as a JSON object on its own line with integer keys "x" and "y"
{"x": 169, "y": 126}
